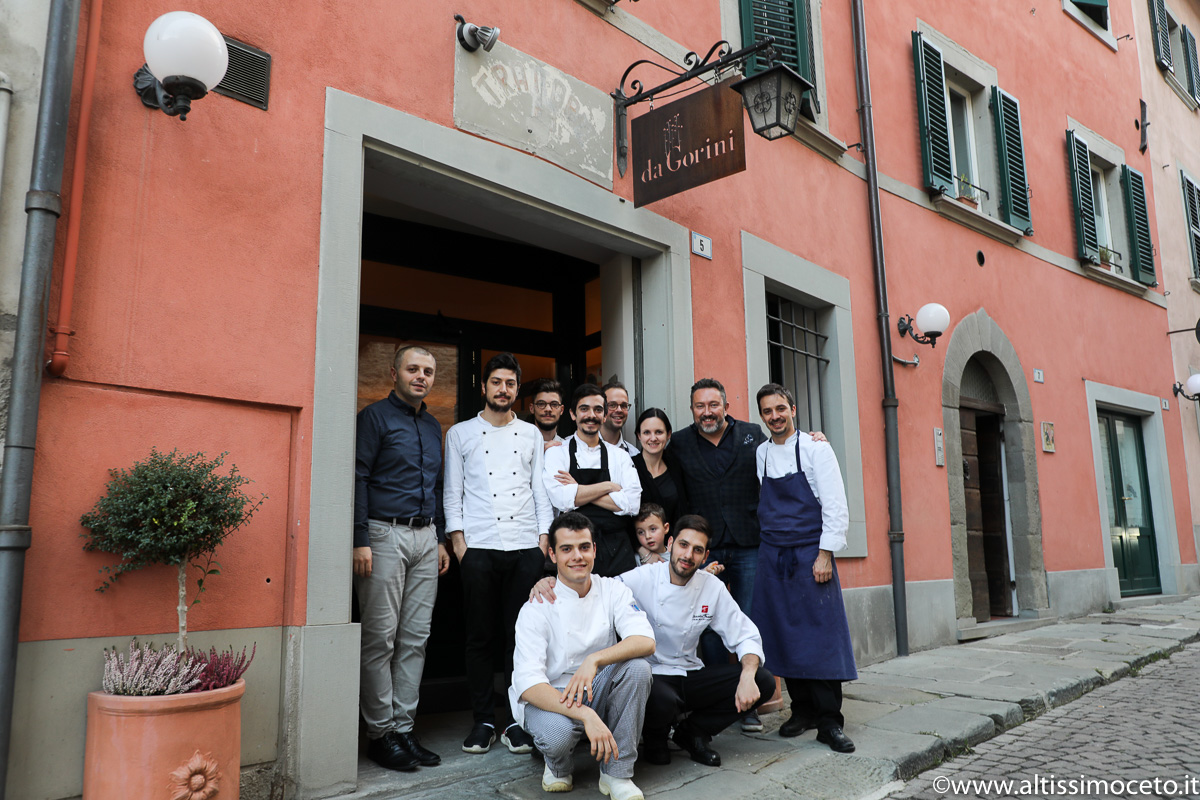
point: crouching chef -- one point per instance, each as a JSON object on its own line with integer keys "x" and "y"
{"x": 681, "y": 602}
{"x": 580, "y": 667}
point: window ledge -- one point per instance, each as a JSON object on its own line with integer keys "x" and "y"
{"x": 1111, "y": 278}
{"x": 950, "y": 208}
{"x": 1179, "y": 89}
{"x": 1072, "y": 11}
{"x": 1195, "y": 284}
{"x": 829, "y": 146}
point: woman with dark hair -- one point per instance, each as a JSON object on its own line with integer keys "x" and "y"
{"x": 658, "y": 470}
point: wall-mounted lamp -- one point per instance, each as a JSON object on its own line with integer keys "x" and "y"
{"x": 932, "y": 320}
{"x": 472, "y": 37}
{"x": 189, "y": 53}
{"x": 772, "y": 98}
{"x": 1193, "y": 389}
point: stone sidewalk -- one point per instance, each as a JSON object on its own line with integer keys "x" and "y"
{"x": 905, "y": 715}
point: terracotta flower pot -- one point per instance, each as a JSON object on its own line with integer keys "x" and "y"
{"x": 175, "y": 747}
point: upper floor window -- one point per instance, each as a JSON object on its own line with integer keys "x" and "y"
{"x": 953, "y": 109}
{"x": 1191, "y": 209}
{"x": 1175, "y": 50}
{"x": 794, "y": 345}
{"x": 791, "y": 23}
{"x": 1112, "y": 223}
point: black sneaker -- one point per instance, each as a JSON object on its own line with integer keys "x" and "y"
{"x": 409, "y": 741}
{"x": 517, "y": 740}
{"x": 480, "y": 739}
{"x": 386, "y": 751}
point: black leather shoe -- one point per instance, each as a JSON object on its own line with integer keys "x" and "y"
{"x": 837, "y": 741}
{"x": 386, "y": 751}
{"x": 796, "y": 726}
{"x": 654, "y": 753}
{"x": 697, "y": 745}
{"x": 409, "y": 741}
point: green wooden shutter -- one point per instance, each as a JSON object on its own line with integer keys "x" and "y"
{"x": 786, "y": 20}
{"x": 1191, "y": 207}
{"x": 1014, "y": 186}
{"x": 1161, "y": 34}
{"x": 1079, "y": 158}
{"x": 932, "y": 116}
{"x": 790, "y": 22}
{"x": 1189, "y": 60}
{"x": 1141, "y": 248}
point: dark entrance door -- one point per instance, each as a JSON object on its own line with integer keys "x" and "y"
{"x": 466, "y": 298}
{"x": 987, "y": 532}
{"x": 1131, "y": 522}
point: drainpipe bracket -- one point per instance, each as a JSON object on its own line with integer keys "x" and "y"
{"x": 37, "y": 200}
{"x": 15, "y": 537}
{"x": 890, "y": 402}
{"x": 896, "y": 536}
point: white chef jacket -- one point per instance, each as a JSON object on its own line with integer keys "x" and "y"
{"x": 630, "y": 450}
{"x": 820, "y": 467}
{"x": 493, "y": 490}
{"x": 554, "y": 638}
{"x": 620, "y": 470}
{"x": 680, "y": 614}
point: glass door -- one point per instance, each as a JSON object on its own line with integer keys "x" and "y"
{"x": 1131, "y": 523}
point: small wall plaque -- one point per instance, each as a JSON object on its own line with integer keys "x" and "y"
{"x": 702, "y": 245}
{"x": 939, "y": 448}
{"x": 1047, "y": 437}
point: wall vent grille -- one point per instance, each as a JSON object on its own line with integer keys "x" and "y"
{"x": 249, "y": 75}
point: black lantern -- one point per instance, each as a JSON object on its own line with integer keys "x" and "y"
{"x": 773, "y": 99}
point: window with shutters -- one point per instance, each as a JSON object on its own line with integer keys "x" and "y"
{"x": 1175, "y": 52}
{"x": 794, "y": 345}
{"x": 795, "y": 24}
{"x": 1191, "y": 210}
{"x": 972, "y": 152}
{"x": 1092, "y": 15}
{"x": 1112, "y": 225}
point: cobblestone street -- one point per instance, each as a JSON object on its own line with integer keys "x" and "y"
{"x": 1143, "y": 728}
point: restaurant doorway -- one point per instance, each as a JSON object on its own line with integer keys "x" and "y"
{"x": 466, "y": 296}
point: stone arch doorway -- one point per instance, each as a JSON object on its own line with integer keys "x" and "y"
{"x": 980, "y": 359}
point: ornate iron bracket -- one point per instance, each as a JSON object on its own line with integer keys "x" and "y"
{"x": 694, "y": 68}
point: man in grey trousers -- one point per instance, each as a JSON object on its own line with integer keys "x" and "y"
{"x": 398, "y": 555}
{"x": 580, "y": 667}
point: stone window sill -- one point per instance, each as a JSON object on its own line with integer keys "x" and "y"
{"x": 1180, "y": 90}
{"x": 975, "y": 219}
{"x": 1110, "y": 278}
{"x": 1195, "y": 285}
{"x": 817, "y": 139}
{"x": 1089, "y": 24}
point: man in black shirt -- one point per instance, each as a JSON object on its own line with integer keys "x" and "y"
{"x": 398, "y": 555}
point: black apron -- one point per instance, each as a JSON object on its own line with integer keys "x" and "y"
{"x": 614, "y": 554}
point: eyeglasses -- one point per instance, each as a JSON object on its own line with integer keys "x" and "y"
{"x": 542, "y": 405}
{"x": 618, "y": 406}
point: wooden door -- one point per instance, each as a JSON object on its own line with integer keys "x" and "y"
{"x": 1131, "y": 521}
{"x": 976, "y": 554}
{"x": 989, "y": 433}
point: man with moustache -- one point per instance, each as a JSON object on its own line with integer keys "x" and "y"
{"x": 716, "y": 453}
{"x": 797, "y": 596}
{"x": 681, "y": 601}
{"x": 397, "y": 555}
{"x": 580, "y": 667}
{"x": 598, "y": 479}
{"x": 616, "y": 402}
{"x": 547, "y": 409}
{"x": 497, "y": 518}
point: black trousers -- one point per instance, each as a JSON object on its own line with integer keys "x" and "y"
{"x": 818, "y": 701}
{"x": 496, "y": 584}
{"x": 708, "y": 693}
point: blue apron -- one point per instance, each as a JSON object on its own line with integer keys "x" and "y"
{"x": 803, "y": 623}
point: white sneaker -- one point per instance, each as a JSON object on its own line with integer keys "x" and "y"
{"x": 620, "y": 788}
{"x": 553, "y": 783}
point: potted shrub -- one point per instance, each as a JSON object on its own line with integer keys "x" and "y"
{"x": 167, "y": 720}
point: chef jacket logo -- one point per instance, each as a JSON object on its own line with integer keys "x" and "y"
{"x": 703, "y": 609}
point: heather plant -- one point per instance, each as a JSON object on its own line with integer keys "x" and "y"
{"x": 150, "y": 672}
{"x": 170, "y": 509}
{"x": 221, "y": 669}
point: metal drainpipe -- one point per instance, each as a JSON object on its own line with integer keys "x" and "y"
{"x": 891, "y": 430}
{"x": 43, "y": 204}
{"x": 5, "y": 106}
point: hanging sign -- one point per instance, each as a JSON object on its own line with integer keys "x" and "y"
{"x": 686, "y": 144}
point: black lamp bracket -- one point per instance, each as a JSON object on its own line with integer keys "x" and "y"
{"x": 907, "y": 328}
{"x": 155, "y": 95}
{"x": 1196, "y": 330}
{"x": 694, "y": 67}
{"x": 1181, "y": 392}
